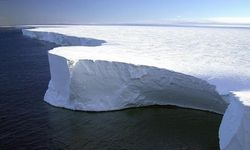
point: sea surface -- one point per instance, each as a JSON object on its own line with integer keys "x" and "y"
{"x": 27, "y": 122}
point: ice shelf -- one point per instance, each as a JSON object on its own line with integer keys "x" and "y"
{"x": 114, "y": 67}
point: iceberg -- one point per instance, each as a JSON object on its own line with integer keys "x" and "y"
{"x": 96, "y": 79}
{"x": 102, "y": 68}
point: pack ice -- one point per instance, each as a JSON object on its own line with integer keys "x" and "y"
{"x": 101, "y": 68}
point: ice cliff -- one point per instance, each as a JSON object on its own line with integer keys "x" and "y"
{"x": 110, "y": 72}
{"x": 61, "y": 39}
{"x": 234, "y": 129}
{"x": 89, "y": 79}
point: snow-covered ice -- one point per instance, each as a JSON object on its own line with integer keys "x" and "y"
{"x": 127, "y": 66}
{"x": 219, "y": 56}
{"x": 108, "y": 78}
{"x": 234, "y": 130}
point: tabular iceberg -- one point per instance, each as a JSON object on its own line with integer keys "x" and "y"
{"x": 89, "y": 79}
{"x": 125, "y": 67}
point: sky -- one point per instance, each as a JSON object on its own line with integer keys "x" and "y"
{"x": 21, "y": 12}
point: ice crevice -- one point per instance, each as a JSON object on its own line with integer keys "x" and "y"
{"x": 89, "y": 75}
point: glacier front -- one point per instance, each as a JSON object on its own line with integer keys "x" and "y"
{"x": 113, "y": 67}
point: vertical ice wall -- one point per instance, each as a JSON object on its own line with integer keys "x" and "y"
{"x": 234, "y": 131}
{"x": 98, "y": 85}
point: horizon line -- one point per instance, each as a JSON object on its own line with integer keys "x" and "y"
{"x": 208, "y": 25}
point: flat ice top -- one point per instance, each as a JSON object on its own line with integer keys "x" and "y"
{"x": 219, "y": 55}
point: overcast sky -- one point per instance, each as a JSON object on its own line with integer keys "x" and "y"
{"x": 121, "y": 11}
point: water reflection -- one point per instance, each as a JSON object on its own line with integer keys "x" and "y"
{"x": 158, "y": 127}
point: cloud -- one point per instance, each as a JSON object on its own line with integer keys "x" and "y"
{"x": 217, "y": 21}
{"x": 230, "y": 20}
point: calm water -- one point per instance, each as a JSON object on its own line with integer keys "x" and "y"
{"x": 27, "y": 122}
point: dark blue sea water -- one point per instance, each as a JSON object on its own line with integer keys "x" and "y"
{"x": 27, "y": 122}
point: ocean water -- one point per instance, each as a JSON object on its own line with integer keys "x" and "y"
{"x": 27, "y": 122}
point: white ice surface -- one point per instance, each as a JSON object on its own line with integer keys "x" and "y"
{"x": 111, "y": 74}
{"x": 219, "y": 56}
